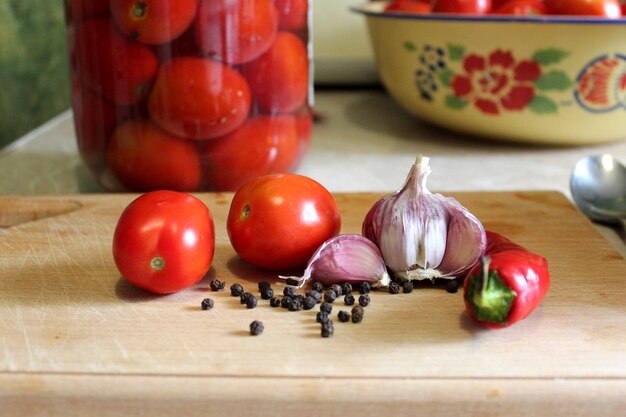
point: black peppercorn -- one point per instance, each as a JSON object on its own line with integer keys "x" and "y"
{"x": 251, "y": 302}
{"x": 365, "y": 288}
{"x": 286, "y": 301}
{"x": 343, "y": 316}
{"x": 328, "y": 328}
{"x": 243, "y": 298}
{"x": 326, "y": 307}
{"x": 236, "y": 290}
{"x": 394, "y": 288}
{"x": 452, "y": 286}
{"x": 317, "y": 286}
{"x": 256, "y": 328}
{"x": 292, "y": 281}
{"x": 364, "y": 300}
{"x": 357, "y": 314}
{"x": 337, "y": 289}
{"x": 321, "y": 317}
{"x": 330, "y": 296}
{"x": 275, "y": 302}
{"x": 348, "y": 299}
{"x": 407, "y": 287}
{"x": 308, "y": 303}
{"x": 264, "y": 284}
{"x": 346, "y": 287}
{"x": 289, "y": 291}
{"x": 207, "y": 304}
{"x": 267, "y": 293}
{"x": 295, "y": 305}
{"x": 315, "y": 294}
{"x": 217, "y": 285}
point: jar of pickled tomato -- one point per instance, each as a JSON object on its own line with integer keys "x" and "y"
{"x": 189, "y": 95}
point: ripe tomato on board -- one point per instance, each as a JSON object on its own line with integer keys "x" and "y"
{"x": 278, "y": 221}
{"x": 279, "y": 79}
{"x": 522, "y": 8}
{"x": 119, "y": 68}
{"x": 164, "y": 241}
{"x": 236, "y": 31}
{"x": 601, "y": 8}
{"x": 461, "y": 6}
{"x": 292, "y": 14}
{"x": 415, "y": 6}
{"x": 197, "y": 98}
{"x": 144, "y": 157}
{"x": 153, "y": 21}
{"x": 262, "y": 145}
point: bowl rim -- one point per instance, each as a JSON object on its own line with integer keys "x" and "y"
{"x": 376, "y": 9}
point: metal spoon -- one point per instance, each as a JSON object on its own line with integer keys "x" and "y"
{"x": 598, "y": 185}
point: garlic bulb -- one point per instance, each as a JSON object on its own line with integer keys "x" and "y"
{"x": 422, "y": 235}
{"x": 345, "y": 258}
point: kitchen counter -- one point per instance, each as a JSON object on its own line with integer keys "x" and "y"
{"x": 364, "y": 142}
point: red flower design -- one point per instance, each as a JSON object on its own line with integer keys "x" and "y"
{"x": 496, "y": 82}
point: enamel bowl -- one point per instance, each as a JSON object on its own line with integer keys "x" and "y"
{"x": 545, "y": 79}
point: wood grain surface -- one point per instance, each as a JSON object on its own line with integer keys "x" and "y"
{"x": 74, "y": 334}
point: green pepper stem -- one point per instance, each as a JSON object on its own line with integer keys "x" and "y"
{"x": 489, "y": 296}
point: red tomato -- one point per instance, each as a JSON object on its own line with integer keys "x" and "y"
{"x": 164, "y": 241}
{"x": 522, "y": 8}
{"x": 292, "y": 14}
{"x": 603, "y": 8}
{"x": 279, "y": 79}
{"x": 624, "y": 9}
{"x": 414, "y": 6}
{"x": 121, "y": 69}
{"x": 197, "y": 98}
{"x": 143, "y": 157}
{"x": 278, "y": 221}
{"x": 81, "y": 10}
{"x": 153, "y": 21}
{"x": 236, "y": 31}
{"x": 498, "y": 3}
{"x": 461, "y": 6}
{"x": 262, "y": 145}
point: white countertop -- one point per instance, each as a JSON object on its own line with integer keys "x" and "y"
{"x": 364, "y": 143}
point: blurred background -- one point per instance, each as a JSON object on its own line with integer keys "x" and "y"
{"x": 33, "y": 65}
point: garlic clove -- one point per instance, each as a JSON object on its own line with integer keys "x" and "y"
{"x": 345, "y": 258}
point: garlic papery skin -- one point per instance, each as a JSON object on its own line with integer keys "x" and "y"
{"x": 422, "y": 235}
{"x": 345, "y": 258}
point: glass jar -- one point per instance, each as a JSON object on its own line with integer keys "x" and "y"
{"x": 189, "y": 95}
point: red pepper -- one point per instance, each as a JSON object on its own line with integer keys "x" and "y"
{"x": 506, "y": 285}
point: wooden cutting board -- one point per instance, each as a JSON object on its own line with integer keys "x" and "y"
{"x": 77, "y": 340}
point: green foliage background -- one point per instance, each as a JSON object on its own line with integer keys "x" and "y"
{"x": 34, "y": 80}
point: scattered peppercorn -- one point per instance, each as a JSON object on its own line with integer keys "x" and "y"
{"x": 328, "y": 328}
{"x": 309, "y": 302}
{"x": 343, "y": 316}
{"x": 267, "y": 293}
{"x": 243, "y": 298}
{"x": 236, "y": 290}
{"x": 207, "y": 304}
{"x": 289, "y": 291}
{"x": 326, "y": 307}
{"x": 348, "y": 299}
{"x": 394, "y": 288}
{"x": 338, "y": 290}
{"x": 407, "y": 287}
{"x": 357, "y": 314}
{"x": 286, "y": 301}
{"x": 321, "y": 317}
{"x": 315, "y": 294}
{"x": 256, "y": 328}
{"x": 317, "y": 286}
{"x": 364, "y": 300}
{"x": 295, "y": 305}
{"x": 452, "y": 286}
{"x": 264, "y": 284}
{"x": 292, "y": 281}
{"x": 217, "y": 285}
{"x": 330, "y": 296}
{"x": 346, "y": 287}
{"x": 365, "y": 288}
{"x": 275, "y": 302}
{"x": 251, "y": 302}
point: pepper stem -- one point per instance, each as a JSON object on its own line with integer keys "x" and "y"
{"x": 489, "y": 296}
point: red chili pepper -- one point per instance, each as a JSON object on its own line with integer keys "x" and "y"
{"x": 506, "y": 285}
